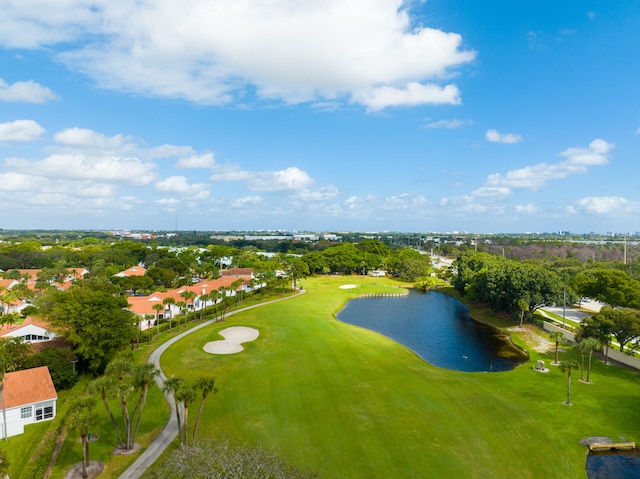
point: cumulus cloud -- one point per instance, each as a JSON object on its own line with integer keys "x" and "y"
{"x": 529, "y": 208}
{"x": 412, "y": 95}
{"x": 603, "y": 205}
{"x": 577, "y": 161}
{"x": 205, "y": 161}
{"x": 84, "y": 138}
{"x": 180, "y": 185}
{"x": 495, "y": 136}
{"x": 25, "y": 91}
{"x": 214, "y": 51}
{"x": 448, "y": 124}
{"x": 289, "y": 179}
{"x": 22, "y": 131}
{"x": 80, "y": 167}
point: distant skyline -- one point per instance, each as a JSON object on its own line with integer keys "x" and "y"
{"x": 369, "y": 115}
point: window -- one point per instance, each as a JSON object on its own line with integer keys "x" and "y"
{"x": 25, "y": 412}
{"x": 44, "y": 411}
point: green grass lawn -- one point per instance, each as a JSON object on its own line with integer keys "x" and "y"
{"x": 351, "y": 403}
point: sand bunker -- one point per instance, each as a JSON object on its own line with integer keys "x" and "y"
{"x": 233, "y": 339}
{"x": 347, "y": 286}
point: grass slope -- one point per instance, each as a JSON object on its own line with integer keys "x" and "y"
{"x": 351, "y": 403}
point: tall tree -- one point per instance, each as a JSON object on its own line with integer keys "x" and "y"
{"x": 600, "y": 327}
{"x": 168, "y": 302}
{"x": 81, "y": 419}
{"x": 567, "y": 366}
{"x": 186, "y": 395}
{"x": 105, "y": 387}
{"x": 206, "y": 385}
{"x": 171, "y": 386}
{"x": 556, "y": 337}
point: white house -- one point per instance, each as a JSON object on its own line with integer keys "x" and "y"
{"x": 30, "y": 330}
{"x": 29, "y": 397}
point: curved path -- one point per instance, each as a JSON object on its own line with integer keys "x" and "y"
{"x": 170, "y": 431}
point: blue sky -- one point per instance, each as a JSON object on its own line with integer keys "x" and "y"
{"x": 367, "y": 115}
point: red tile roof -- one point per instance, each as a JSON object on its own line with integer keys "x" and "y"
{"x": 28, "y": 386}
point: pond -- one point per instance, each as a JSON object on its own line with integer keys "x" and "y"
{"x": 610, "y": 465}
{"x": 437, "y": 328}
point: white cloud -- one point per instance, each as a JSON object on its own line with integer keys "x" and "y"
{"x": 214, "y": 51}
{"x": 496, "y": 137}
{"x": 246, "y": 202}
{"x": 529, "y": 209}
{"x": 603, "y": 205}
{"x": 22, "y": 131}
{"x": 80, "y": 167}
{"x": 205, "y": 161}
{"x": 413, "y": 94}
{"x": 84, "y": 138}
{"x": 448, "y": 124}
{"x": 578, "y": 161}
{"x": 289, "y": 179}
{"x": 180, "y": 185}
{"x": 25, "y": 91}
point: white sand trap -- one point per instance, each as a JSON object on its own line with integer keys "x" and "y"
{"x": 347, "y": 286}
{"x": 233, "y": 339}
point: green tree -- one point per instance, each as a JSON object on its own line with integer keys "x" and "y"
{"x": 58, "y": 360}
{"x": 81, "y": 419}
{"x": 92, "y": 319}
{"x": 105, "y": 386}
{"x": 556, "y": 337}
{"x": 590, "y": 344}
{"x": 143, "y": 375}
{"x": 567, "y": 366}
{"x": 206, "y": 385}
{"x": 600, "y": 327}
{"x": 171, "y": 386}
{"x": 168, "y": 302}
{"x": 185, "y": 394}
{"x": 610, "y": 286}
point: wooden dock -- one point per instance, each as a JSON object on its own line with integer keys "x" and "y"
{"x": 619, "y": 446}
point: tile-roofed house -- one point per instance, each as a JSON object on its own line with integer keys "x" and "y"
{"x": 133, "y": 271}
{"x": 246, "y": 272}
{"x": 29, "y": 397}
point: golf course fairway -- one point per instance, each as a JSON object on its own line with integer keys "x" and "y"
{"x": 350, "y": 403}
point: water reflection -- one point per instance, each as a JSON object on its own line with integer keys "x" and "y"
{"x": 437, "y": 328}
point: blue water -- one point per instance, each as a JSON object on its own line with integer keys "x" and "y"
{"x": 437, "y": 328}
{"x": 614, "y": 465}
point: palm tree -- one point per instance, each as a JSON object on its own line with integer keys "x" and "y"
{"x": 186, "y": 395}
{"x": 590, "y": 345}
{"x": 169, "y": 301}
{"x": 82, "y": 419}
{"x": 556, "y": 337}
{"x": 143, "y": 374}
{"x": 580, "y": 346}
{"x": 206, "y": 385}
{"x": 188, "y": 296}
{"x": 567, "y": 366}
{"x": 182, "y": 305}
{"x": 170, "y": 387}
{"x": 204, "y": 297}
{"x": 157, "y": 308}
{"x": 104, "y": 385}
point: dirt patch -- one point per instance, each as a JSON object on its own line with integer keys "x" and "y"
{"x": 535, "y": 340}
{"x": 120, "y": 451}
{"x": 94, "y": 469}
